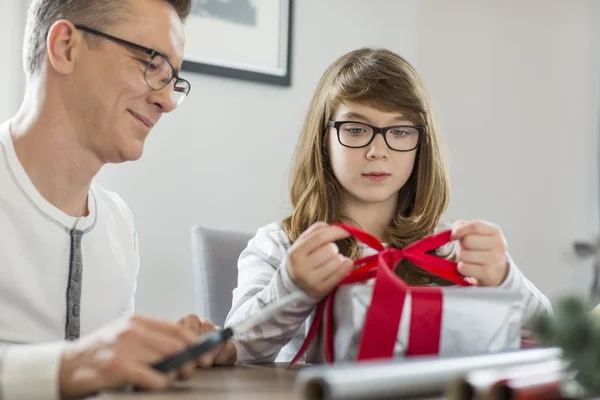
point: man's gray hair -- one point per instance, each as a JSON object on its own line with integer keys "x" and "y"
{"x": 97, "y": 13}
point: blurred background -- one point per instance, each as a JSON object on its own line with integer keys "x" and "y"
{"x": 515, "y": 86}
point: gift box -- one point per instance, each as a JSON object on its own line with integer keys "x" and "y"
{"x": 373, "y": 314}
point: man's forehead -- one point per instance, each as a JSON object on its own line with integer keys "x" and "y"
{"x": 155, "y": 24}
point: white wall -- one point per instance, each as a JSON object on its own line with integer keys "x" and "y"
{"x": 12, "y": 24}
{"x": 221, "y": 159}
{"x": 515, "y": 84}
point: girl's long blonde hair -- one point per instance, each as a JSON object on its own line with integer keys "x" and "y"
{"x": 382, "y": 79}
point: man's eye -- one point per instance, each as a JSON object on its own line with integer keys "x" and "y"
{"x": 150, "y": 66}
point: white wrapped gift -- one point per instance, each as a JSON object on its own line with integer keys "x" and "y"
{"x": 374, "y": 314}
{"x": 475, "y": 320}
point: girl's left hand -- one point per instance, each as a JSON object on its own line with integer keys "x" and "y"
{"x": 481, "y": 252}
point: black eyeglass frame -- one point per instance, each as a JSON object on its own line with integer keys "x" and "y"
{"x": 151, "y": 53}
{"x": 376, "y": 131}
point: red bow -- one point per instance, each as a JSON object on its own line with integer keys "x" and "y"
{"x": 383, "y": 315}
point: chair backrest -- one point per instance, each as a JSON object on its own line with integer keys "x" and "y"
{"x": 215, "y": 256}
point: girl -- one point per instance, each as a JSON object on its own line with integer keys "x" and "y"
{"x": 369, "y": 155}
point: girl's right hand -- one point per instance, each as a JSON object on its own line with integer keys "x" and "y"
{"x": 314, "y": 262}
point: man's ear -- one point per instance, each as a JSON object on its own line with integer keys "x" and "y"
{"x": 61, "y": 46}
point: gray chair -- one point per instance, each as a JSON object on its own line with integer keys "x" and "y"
{"x": 215, "y": 255}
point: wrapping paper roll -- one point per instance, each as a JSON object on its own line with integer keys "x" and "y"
{"x": 533, "y": 387}
{"x": 498, "y": 382}
{"x": 405, "y": 377}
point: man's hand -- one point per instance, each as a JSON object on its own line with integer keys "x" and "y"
{"x": 225, "y": 354}
{"x": 121, "y": 353}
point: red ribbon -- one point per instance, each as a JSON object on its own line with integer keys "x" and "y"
{"x": 382, "y": 319}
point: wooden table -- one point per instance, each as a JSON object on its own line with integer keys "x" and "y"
{"x": 248, "y": 382}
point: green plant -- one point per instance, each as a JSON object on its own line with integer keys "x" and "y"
{"x": 577, "y": 333}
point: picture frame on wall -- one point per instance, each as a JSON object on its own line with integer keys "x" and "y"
{"x": 241, "y": 39}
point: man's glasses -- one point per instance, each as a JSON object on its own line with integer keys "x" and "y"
{"x": 359, "y": 134}
{"x": 158, "y": 70}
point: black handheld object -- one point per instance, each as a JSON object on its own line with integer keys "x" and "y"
{"x": 206, "y": 343}
{"x": 209, "y": 341}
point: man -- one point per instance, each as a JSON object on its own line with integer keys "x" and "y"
{"x": 100, "y": 74}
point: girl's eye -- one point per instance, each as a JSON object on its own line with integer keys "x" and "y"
{"x": 355, "y": 129}
{"x": 398, "y": 132}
